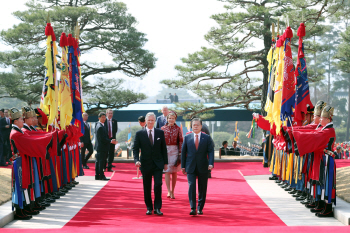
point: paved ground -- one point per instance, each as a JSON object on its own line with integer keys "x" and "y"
{"x": 290, "y": 211}
{"x": 5, "y": 185}
{"x": 65, "y": 208}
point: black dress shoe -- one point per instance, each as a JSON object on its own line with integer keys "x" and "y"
{"x": 278, "y": 181}
{"x": 288, "y": 189}
{"x": 59, "y": 193}
{"x": 149, "y": 212}
{"x": 199, "y": 212}
{"x": 293, "y": 192}
{"x": 22, "y": 216}
{"x": 305, "y": 202}
{"x": 157, "y": 212}
{"x": 49, "y": 200}
{"x": 75, "y": 182}
{"x": 113, "y": 166}
{"x": 193, "y": 212}
{"x": 86, "y": 167}
{"x": 64, "y": 190}
{"x": 209, "y": 175}
{"x": 97, "y": 177}
{"x": 273, "y": 178}
{"x": 310, "y": 205}
{"x": 104, "y": 178}
{"x": 110, "y": 170}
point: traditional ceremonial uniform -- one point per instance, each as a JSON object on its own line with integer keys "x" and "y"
{"x": 24, "y": 148}
{"x": 323, "y": 176}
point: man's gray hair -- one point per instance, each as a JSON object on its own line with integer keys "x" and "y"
{"x": 151, "y": 114}
{"x": 164, "y": 107}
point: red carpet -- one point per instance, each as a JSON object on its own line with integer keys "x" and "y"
{"x": 232, "y": 206}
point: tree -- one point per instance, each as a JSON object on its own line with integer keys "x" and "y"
{"x": 104, "y": 25}
{"x": 230, "y": 70}
{"x": 343, "y": 80}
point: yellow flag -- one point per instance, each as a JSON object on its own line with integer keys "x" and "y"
{"x": 49, "y": 104}
{"x": 65, "y": 98}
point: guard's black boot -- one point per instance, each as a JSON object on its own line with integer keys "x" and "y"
{"x": 326, "y": 212}
{"x": 302, "y": 197}
{"x": 319, "y": 207}
{"x": 311, "y": 205}
{"x": 273, "y": 178}
{"x": 278, "y": 181}
{"x": 19, "y": 215}
{"x": 29, "y": 211}
{"x": 294, "y": 191}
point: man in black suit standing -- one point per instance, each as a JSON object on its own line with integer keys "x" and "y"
{"x": 154, "y": 159}
{"x": 176, "y": 98}
{"x": 102, "y": 146}
{"x": 112, "y": 128}
{"x": 197, "y": 158}
{"x": 85, "y": 142}
{"x": 2, "y": 158}
{"x": 5, "y": 131}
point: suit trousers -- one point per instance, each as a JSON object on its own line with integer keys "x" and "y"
{"x": 6, "y": 150}
{"x": 202, "y": 188}
{"x": 88, "y": 147}
{"x": 100, "y": 162}
{"x": 110, "y": 156}
{"x": 2, "y": 155}
{"x": 147, "y": 187}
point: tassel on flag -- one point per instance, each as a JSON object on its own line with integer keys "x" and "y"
{"x": 251, "y": 133}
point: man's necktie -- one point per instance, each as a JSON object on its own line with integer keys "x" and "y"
{"x": 196, "y": 142}
{"x": 109, "y": 129}
{"x": 150, "y": 137}
{"x": 8, "y": 121}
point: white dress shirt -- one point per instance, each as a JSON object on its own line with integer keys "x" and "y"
{"x": 148, "y": 130}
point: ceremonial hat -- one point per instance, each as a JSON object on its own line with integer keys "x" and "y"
{"x": 15, "y": 114}
{"x": 327, "y": 112}
{"x": 319, "y": 106}
{"x": 310, "y": 110}
{"x": 28, "y": 112}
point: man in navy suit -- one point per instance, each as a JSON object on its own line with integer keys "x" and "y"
{"x": 102, "y": 143}
{"x": 197, "y": 158}
{"x": 154, "y": 159}
{"x": 161, "y": 120}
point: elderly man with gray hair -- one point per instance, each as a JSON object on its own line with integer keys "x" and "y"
{"x": 154, "y": 158}
{"x": 162, "y": 120}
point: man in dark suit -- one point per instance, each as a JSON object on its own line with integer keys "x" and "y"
{"x": 5, "y": 131}
{"x": 171, "y": 97}
{"x": 161, "y": 120}
{"x": 2, "y": 158}
{"x": 102, "y": 146}
{"x": 235, "y": 150}
{"x": 85, "y": 142}
{"x": 154, "y": 159}
{"x": 112, "y": 128}
{"x": 176, "y": 98}
{"x": 197, "y": 158}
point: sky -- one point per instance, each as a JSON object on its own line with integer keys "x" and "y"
{"x": 173, "y": 28}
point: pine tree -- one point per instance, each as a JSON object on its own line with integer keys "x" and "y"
{"x": 104, "y": 25}
{"x": 230, "y": 70}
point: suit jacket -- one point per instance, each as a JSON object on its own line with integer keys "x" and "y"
{"x": 114, "y": 127}
{"x": 150, "y": 154}
{"x": 5, "y": 131}
{"x": 86, "y": 139}
{"x": 102, "y": 140}
{"x": 202, "y": 158}
{"x": 236, "y": 152}
{"x": 161, "y": 121}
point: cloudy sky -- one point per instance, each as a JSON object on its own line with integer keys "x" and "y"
{"x": 173, "y": 28}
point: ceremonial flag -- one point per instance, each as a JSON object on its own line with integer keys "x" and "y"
{"x": 129, "y": 134}
{"x": 271, "y": 59}
{"x": 276, "y": 109}
{"x": 288, "y": 92}
{"x": 77, "y": 119}
{"x": 236, "y": 133}
{"x": 302, "y": 84}
{"x": 251, "y": 133}
{"x": 65, "y": 98}
{"x": 49, "y": 97}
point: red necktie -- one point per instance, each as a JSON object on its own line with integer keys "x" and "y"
{"x": 196, "y": 142}
{"x": 109, "y": 129}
